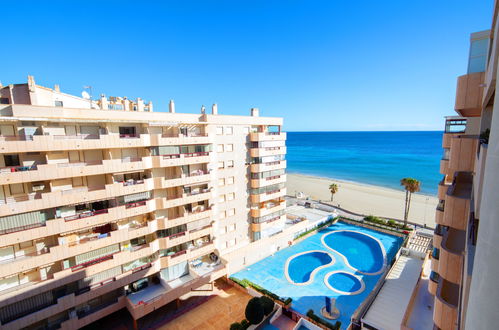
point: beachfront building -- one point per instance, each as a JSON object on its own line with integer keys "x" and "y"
{"x": 465, "y": 258}
{"x": 105, "y": 204}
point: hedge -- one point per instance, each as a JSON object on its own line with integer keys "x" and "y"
{"x": 335, "y": 326}
{"x": 245, "y": 283}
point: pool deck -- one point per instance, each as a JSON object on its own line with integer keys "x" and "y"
{"x": 219, "y": 312}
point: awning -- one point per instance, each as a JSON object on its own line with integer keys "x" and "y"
{"x": 137, "y": 197}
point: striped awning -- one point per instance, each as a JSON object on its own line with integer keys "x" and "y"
{"x": 96, "y": 254}
{"x": 99, "y": 277}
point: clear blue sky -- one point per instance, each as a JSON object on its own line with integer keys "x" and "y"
{"x": 322, "y": 65}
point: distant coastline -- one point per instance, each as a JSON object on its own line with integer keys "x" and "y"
{"x": 377, "y": 158}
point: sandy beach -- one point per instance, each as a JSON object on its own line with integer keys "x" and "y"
{"x": 365, "y": 199}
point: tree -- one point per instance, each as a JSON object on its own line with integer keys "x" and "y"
{"x": 333, "y": 188}
{"x": 267, "y": 304}
{"x": 254, "y": 311}
{"x": 411, "y": 186}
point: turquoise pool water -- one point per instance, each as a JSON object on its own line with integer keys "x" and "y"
{"x": 363, "y": 251}
{"x": 359, "y": 249}
{"x": 313, "y": 260}
{"x": 344, "y": 282}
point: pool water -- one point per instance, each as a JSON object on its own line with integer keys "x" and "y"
{"x": 364, "y": 253}
{"x": 299, "y": 274}
{"x": 344, "y": 282}
{"x": 300, "y": 271}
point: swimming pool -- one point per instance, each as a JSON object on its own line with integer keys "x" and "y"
{"x": 342, "y": 261}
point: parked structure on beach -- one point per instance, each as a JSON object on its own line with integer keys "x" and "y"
{"x": 465, "y": 259}
{"x": 105, "y": 204}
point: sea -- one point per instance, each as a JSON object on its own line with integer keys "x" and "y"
{"x": 374, "y": 158}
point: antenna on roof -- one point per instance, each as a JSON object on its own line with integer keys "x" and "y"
{"x": 86, "y": 95}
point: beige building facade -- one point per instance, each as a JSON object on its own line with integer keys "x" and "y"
{"x": 465, "y": 261}
{"x": 105, "y": 204}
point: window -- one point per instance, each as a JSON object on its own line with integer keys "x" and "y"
{"x": 58, "y": 104}
{"x": 230, "y": 196}
{"x": 229, "y": 147}
{"x": 230, "y": 163}
{"x": 435, "y": 253}
{"x": 231, "y": 227}
{"x": 127, "y": 131}
{"x": 221, "y": 198}
{"x": 230, "y": 180}
{"x": 228, "y": 130}
{"x": 434, "y": 276}
{"x": 220, "y": 148}
{"x": 221, "y": 182}
{"x": 220, "y": 130}
{"x": 4, "y": 100}
{"x": 220, "y": 165}
{"x": 231, "y": 212}
{"x": 11, "y": 160}
{"x": 223, "y": 215}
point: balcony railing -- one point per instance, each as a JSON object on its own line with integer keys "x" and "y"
{"x": 18, "y": 169}
{"x": 21, "y": 228}
{"x": 17, "y": 199}
{"x": 129, "y": 136}
{"x": 16, "y": 138}
{"x": 77, "y": 137}
{"x": 87, "y": 163}
{"x": 91, "y": 262}
{"x": 86, "y": 214}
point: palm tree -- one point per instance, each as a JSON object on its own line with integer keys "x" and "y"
{"x": 333, "y": 188}
{"x": 411, "y": 186}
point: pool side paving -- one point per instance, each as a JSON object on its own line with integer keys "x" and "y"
{"x": 270, "y": 272}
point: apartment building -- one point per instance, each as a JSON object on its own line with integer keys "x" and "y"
{"x": 465, "y": 258}
{"x": 105, "y": 204}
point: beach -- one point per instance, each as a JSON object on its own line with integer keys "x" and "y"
{"x": 365, "y": 199}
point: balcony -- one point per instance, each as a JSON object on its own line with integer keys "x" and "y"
{"x": 442, "y": 189}
{"x": 446, "y": 302}
{"x": 165, "y": 223}
{"x": 268, "y": 208}
{"x": 179, "y": 200}
{"x": 462, "y": 153}
{"x": 185, "y": 255}
{"x": 180, "y": 159}
{"x": 469, "y": 94}
{"x": 258, "y": 183}
{"x": 47, "y": 200}
{"x": 457, "y": 202}
{"x": 447, "y": 138}
{"x": 269, "y": 195}
{"x": 277, "y": 165}
{"x": 184, "y": 237}
{"x": 444, "y": 167}
{"x": 479, "y": 177}
{"x": 451, "y": 255}
{"x": 267, "y": 136}
{"x": 183, "y": 180}
{"x": 156, "y": 296}
{"x": 179, "y": 139}
{"x": 269, "y": 151}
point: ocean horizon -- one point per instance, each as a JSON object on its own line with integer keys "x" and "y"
{"x": 379, "y": 158}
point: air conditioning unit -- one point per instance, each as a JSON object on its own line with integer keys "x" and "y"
{"x": 38, "y": 187}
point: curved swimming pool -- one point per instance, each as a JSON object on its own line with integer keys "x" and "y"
{"x": 360, "y": 251}
{"x": 344, "y": 283}
{"x": 301, "y": 268}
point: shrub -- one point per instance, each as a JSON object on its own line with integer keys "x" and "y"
{"x": 254, "y": 311}
{"x": 267, "y": 304}
{"x": 235, "y": 326}
{"x": 244, "y": 324}
{"x": 335, "y": 326}
{"x": 391, "y": 223}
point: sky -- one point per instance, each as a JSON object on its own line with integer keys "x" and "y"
{"x": 332, "y": 65}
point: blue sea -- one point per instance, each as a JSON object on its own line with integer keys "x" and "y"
{"x": 375, "y": 158}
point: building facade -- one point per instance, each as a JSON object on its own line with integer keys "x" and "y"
{"x": 465, "y": 261}
{"x": 100, "y": 199}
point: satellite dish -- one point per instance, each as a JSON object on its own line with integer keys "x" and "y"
{"x": 85, "y": 95}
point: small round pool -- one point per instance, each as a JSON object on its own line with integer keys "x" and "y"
{"x": 344, "y": 283}
{"x": 301, "y": 268}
